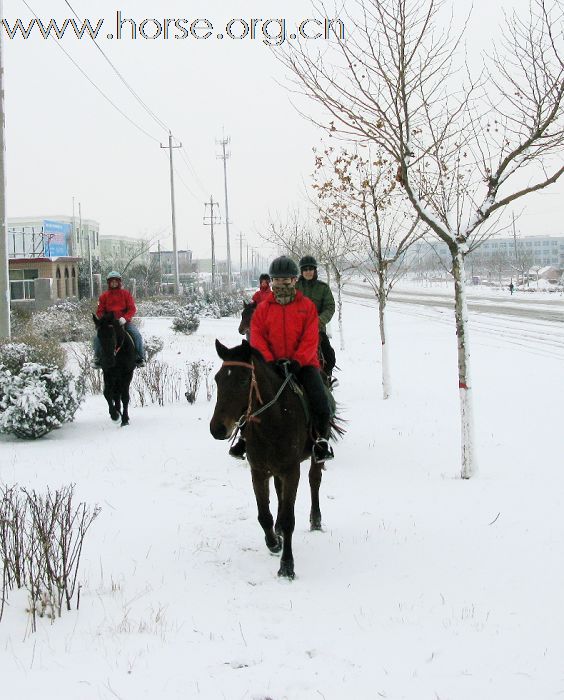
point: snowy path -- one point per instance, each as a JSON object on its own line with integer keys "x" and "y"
{"x": 421, "y": 586}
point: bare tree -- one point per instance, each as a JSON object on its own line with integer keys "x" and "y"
{"x": 360, "y": 194}
{"x": 464, "y": 147}
{"x": 329, "y": 242}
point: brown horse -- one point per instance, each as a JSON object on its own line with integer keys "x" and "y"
{"x": 252, "y": 393}
{"x": 246, "y": 316}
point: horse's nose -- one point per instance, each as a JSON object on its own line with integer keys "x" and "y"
{"x": 218, "y": 430}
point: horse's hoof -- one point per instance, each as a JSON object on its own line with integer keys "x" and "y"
{"x": 276, "y": 546}
{"x": 124, "y": 423}
{"x": 315, "y": 524}
{"x": 286, "y": 570}
{"x": 115, "y": 417}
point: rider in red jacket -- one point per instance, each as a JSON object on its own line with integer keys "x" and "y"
{"x": 285, "y": 327}
{"x": 121, "y": 304}
{"x": 264, "y": 289}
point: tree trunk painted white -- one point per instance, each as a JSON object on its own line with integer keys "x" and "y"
{"x": 340, "y": 311}
{"x": 386, "y": 382}
{"x": 469, "y": 463}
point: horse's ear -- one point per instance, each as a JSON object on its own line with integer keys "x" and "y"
{"x": 220, "y": 349}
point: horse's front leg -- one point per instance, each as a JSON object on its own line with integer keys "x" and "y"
{"x": 278, "y": 487}
{"x": 109, "y": 396}
{"x": 315, "y": 473}
{"x": 125, "y": 405}
{"x": 261, "y": 489}
{"x": 287, "y": 520}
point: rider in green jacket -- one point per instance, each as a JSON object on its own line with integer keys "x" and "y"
{"x": 320, "y": 293}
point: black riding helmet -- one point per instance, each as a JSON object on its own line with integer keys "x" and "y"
{"x": 308, "y": 261}
{"x": 283, "y": 267}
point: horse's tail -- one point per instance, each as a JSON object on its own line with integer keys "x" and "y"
{"x": 337, "y": 427}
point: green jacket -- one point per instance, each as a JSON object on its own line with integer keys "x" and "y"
{"x": 320, "y": 293}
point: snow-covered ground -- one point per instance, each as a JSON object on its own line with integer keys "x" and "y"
{"x": 421, "y": 586}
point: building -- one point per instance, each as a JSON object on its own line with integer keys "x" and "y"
{"x": 38, "y": 282}
{"x": 122, "y": 250}
{"x": 52, "y": 237}
{"x": 525, "y": 251}
{"x": 164, "y": 260}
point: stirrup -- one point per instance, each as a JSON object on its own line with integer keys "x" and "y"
{"x": 322, "y": 450}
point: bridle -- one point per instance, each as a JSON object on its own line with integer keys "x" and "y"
{"x": 250, "y": 416}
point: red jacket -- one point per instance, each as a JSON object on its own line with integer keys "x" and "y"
{"x": 290, "y": 330}
{"x": 117, "y": 301}
{"x": 261, "y": 295}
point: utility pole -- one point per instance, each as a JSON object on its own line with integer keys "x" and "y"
{"x": 89, "y": 250}
{"x": 248, "y": 271}
{"x": 4, "y": 276}
{"x": 241, "y": 259}
{"x": 209, "y": 221}
{"x": 224, "y": 156}
{"x": 174, "y": 247}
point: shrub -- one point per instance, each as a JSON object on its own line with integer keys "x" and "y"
{"x": 159, "y": 307}
{"x": 153, "y": 345}
{"x": 65, "y": 322}
{"x": 31, "y": 348}
{"x": 38, "y": 399}
{"x": 186, "y": 321}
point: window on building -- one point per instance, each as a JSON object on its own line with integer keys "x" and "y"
{"x": 22, "y": 285}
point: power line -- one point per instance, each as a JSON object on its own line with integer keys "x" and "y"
{"x": 123, "y": 80}
{"x": 71, "y": 59}
{"x": 188, "y": 162}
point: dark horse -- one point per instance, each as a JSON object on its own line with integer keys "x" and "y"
{"x": 246, "y": 315}
{"x": 118, "y": 362}
{"x": 278, "y": 440}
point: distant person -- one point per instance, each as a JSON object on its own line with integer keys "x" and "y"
{"x": 511, "y": 287}
{"x": 121, "y": 304}
{"x": 263, "y": 292}
{"x": 322, "y": 296}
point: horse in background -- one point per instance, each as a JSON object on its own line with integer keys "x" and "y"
{"x": 117, "y": 359}
{"x": 246, "y": 316}
{"x": 276, "y": 442}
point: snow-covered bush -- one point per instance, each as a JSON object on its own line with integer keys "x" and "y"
{"x": 186, "y": 321}
{"x": 219, "y": 303}
{"x": 158, "y": 307}
{"x": 153, "y": 345}
{"x": 64, "y": 322}
{"x": 37, "y": 399}
{"x": 30, "y": 348}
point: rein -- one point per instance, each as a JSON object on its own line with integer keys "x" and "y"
{"x": 250, "y": 415}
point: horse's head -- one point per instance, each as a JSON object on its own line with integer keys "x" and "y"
{"x": 110, "y": 335}
{"x": 246, "y": 315}
{"x": 233, "y": 382}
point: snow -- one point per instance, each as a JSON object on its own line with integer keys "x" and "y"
{"x": 421, "y": 586}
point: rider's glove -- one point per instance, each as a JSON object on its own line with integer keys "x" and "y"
{"x": 293, "y": 365}
{"x": 122, "y": 321}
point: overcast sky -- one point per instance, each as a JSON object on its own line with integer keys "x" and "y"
{"x": 64, "y": 139}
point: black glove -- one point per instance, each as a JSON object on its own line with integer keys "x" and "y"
{"x": 292, "y": 366}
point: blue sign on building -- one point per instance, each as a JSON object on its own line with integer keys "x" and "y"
{"x": 57, "y": 236}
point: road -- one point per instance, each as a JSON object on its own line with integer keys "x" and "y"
{"x": 535, "y": 324}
